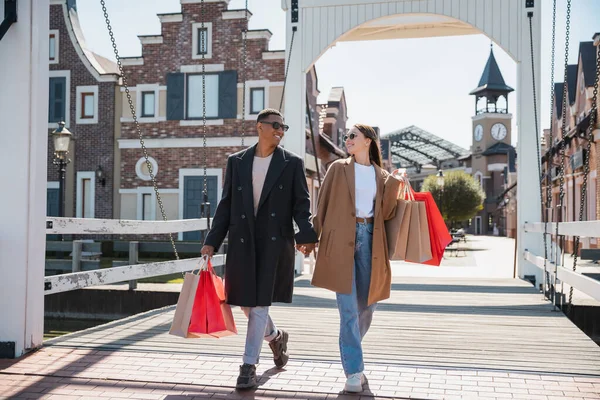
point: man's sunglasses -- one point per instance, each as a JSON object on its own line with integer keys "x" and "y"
{"x": 351, "y": 136}
{"x": 276, "y": 125}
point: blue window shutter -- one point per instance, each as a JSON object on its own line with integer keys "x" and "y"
{"x": 175, "y": 96}
{"x": 57, "y": 99}
{"x": 228, "y": 94}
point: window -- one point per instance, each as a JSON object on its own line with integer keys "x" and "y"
{"x": 53, "y": 46}
{"x": 194, "y": 96}
{"x": 142, "y": 171}
{"x": 147, "y": 214}
{"x": 58, "y": 97}
{"x": 87, "y": 104}
{"x": 202, "y": 41}
{"x": 257, "y": 100}
{"x": 52, "y": 49}
{"x": 86, "y": 181}
{"x": 198, "y": 34}
{"x": 148, "y": 99}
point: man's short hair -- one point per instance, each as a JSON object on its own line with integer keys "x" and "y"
{"x": 264, "y": 114}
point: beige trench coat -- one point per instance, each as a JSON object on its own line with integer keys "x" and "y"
{"x": 335, "y": 224}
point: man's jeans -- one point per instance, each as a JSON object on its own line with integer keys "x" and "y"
{"x": 355, "y": 316}
{"x": 260, "y": 327}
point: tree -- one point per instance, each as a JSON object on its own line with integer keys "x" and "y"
{"x": 461, "y": 199}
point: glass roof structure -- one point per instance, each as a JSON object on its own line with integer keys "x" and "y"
{"x": 415, "y": 147}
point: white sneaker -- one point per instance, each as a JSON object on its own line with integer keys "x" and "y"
{"x": 354, "y": 383}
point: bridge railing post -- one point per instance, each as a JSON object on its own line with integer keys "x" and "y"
{"x": 133, "y": 260}
{"x": 76, "y": 255}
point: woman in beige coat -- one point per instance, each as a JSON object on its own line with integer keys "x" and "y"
{"x": 356, "y": 198}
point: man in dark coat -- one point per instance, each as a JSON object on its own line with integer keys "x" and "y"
{"x": 264, "y": 191}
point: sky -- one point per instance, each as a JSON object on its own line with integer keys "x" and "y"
{"x": 390, "y": 83}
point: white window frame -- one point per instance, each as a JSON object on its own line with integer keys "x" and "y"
{"x": 54, "y": 32}
{"x": 259, "y": 84}
{"x": 67, "y": 75}
{"x": 183, "y": 172}
{"x": 209, "y": 36}
{"x": 139, "y": 89}
{"x": 141, "y": 191}
{"x": 138, "y": 168}
{"x": 81, "y": 175}
{"x": 79, "y": 90}
{"x": 187, "y": 103}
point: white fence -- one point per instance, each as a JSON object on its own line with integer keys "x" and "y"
{"x": 82, "y": 226}
{"x": 563, "y": 273}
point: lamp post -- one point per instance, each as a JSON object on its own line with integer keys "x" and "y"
{"x": 440, "y": 182}
{"x": 61, "y": 137}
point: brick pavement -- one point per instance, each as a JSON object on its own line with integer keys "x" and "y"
{"x": 62, "y": 373}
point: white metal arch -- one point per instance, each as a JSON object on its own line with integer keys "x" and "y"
{"x": 319, "y": 24}
{"x": 326, "y": 25}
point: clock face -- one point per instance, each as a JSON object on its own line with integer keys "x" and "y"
{"x": 498, "y": 131}
{"x": 478, "y": 134}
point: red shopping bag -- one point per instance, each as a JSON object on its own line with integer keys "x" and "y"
{"x": 211, "y": 315}
{"x": 438, "y": 232}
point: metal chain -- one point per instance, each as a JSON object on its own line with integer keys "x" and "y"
{"x": 136, "y": 122}
{"x": 563, "y": 130}
{"x": 244, "y": 71}
{"x": 586, "y": 169}
{"x": 287, "y": 68}
{"x": 204, "y": 147}
{"x": 549, "y": 160}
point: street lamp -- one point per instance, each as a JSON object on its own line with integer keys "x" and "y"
{"x": 61, "y": 138}
{"x": 440, "y": 182}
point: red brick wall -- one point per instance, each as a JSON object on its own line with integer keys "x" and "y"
{"x": 93, "y": 142}
{"x": 169, "y": 56}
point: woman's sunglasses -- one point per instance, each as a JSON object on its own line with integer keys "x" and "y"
{"x": 351, "y": 136}
{"x": 276, "y": 125}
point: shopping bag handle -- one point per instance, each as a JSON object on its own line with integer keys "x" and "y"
{"x": 202, "y": 264}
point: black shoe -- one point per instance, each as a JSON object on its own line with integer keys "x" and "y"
{"x": 247, "y": 378}
{"x": 279, "y": 348}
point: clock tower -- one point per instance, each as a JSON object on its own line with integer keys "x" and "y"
{"x": 492, "y": 155}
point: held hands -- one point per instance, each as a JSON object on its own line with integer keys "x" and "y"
{"x": 207, "y": 251}
{"x": 306, "y": 248}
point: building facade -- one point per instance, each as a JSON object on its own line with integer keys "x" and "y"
{"x": 82, "y": 93}
{"x": 325, "y": 128}
{"x": 575, "y": 113}
{"x": 166, "y": 87}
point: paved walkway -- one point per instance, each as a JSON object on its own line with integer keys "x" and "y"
{"x": 442, "y": 335}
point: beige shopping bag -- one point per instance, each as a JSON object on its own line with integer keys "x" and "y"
{"x": 183, "y": 310}
{"x": 396, "y": 230}
{"x": 419, "y": 244}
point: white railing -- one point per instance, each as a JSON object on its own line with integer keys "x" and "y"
{"x": 584, "y": 284}
{"x": 92, "y": 226}
{"x": 87, "y": 226}
{"x": 583, "y": 228}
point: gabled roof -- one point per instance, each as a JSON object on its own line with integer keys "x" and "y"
{"x": 491, "y": 79}
{"x": 336, "y": 94}
{"x": 558, "y": 96}
{"x": 413, "y": 146}
{"x": 503, "y": 148}
{"x": 572, "y": 82}
{"x": 587, "y": 52}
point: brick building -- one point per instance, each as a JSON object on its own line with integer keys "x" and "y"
{"x": 166, "y": 85}
{"x": 328, "y": 127}
{"x": 82, "y": 89}
{"x": 580, "y": 86}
